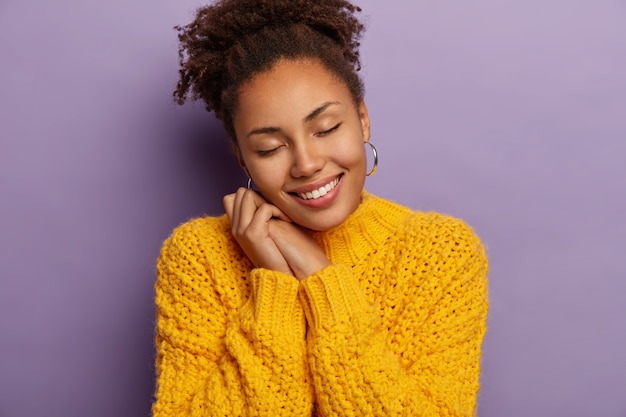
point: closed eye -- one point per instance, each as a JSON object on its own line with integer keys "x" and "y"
{"x": 268, "y": 151}
{"x": 326, "y": 132}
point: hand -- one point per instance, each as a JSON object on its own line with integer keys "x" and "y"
{"x": 269, "y": 238}
{"x": 250, "y": 216}
{"x": 299, "y": 249}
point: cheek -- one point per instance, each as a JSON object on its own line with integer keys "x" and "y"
{"x": 350, "y": 152}
{"x": 269, "y": 175}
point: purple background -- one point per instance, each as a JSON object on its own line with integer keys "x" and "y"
{"x": 511, "y": 115}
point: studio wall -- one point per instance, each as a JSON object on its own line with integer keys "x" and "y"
{"x": 510, "y": 115}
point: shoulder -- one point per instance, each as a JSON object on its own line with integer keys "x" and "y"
{"x": 194, "y": 231}
{"x": 451, "y": 253}
{"x": 417, "y": 220}
{"x": 442, "y": 230}
{"x": 443, "y": 255}
{"x": 200, "y": 260}
{"x": 439, "y": 236}
{"x": 199, "y": 237}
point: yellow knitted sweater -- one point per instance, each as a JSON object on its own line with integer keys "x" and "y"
{"x": 392, "y": 328}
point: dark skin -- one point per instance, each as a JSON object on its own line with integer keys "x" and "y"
{"x": 306, "y": 145}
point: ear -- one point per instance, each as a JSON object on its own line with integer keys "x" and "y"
{"x": 365, "y": 121}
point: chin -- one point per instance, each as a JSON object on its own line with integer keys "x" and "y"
{"x": 323, "y": 219}
{"x": 323, "y": 223}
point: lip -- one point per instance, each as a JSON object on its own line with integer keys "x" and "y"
{"x": 322, "y": 201}
{"x": 314, "y": 185}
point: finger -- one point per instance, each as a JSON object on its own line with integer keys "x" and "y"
{"x": 276, "y": 212}
{"x": 248, "y": 205}
{"x": 259, "y": 224}
{"x": 235, "y": 219}
{"x": 229, "y": 201}
{"x": 279, "y": 214}
{"x": 258, "y": 198}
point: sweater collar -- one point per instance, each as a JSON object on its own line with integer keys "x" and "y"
{"x": 364, "y": 231}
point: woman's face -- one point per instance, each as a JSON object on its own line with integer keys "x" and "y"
{"x": 301, "y": 139}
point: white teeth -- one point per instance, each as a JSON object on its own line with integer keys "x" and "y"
{"x": 320, "y": 192}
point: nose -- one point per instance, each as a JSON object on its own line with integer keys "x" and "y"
{"x": 307, "y": 160}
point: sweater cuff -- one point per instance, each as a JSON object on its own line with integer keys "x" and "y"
{"x": 333, "y": 296}
{"x": 276, "y": 308}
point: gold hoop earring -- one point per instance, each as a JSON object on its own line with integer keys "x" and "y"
{"x": 375, "y": 153}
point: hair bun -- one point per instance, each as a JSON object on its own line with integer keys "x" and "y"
{"x": 232, "y": 20}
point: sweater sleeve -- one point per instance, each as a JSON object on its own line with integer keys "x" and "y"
{"x": 416, "y": 355}
{"x": 220, "y": 351}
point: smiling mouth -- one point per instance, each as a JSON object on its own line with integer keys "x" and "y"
{"x": 320, "y": 192}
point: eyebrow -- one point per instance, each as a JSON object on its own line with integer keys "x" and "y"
{"x": 308, "y": 118}
{"x": 318, "y": 111}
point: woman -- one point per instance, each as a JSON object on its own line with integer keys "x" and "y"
{"x": 309, "y": 296}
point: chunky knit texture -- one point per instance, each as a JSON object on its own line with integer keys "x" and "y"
{"x": 393, "y": 327}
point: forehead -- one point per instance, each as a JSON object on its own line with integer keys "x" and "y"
{"x": 292, "y": 88}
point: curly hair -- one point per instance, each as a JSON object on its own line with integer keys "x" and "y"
{"x": 231, "y": 41}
